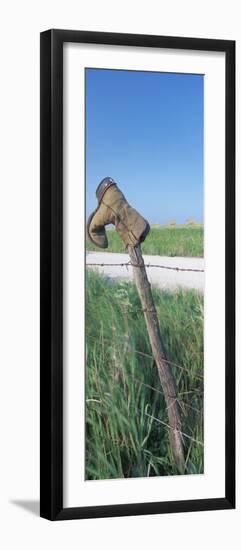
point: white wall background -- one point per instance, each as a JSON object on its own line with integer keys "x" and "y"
{"x": 21, "y": 23}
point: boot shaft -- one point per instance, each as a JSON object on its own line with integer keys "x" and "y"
{"x": 114, "y": 208}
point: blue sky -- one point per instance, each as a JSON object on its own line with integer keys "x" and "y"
{"x": 145, "y": 130}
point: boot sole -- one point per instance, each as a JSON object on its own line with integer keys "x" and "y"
{"x": 88, "y": 226}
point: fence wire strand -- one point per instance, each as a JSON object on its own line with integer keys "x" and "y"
{"x": 171, "y": 428}
{"x": 171, "y": 363}
{"x": 165, "y": 424}
{"x": 129, "y": 264}
{"x": 180, "y": 401}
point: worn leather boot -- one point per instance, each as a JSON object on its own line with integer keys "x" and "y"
{"x": 114, "y": 208}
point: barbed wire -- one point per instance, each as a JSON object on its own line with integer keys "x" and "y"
{"x": 175, "y": 365}
{"x": 129, "y": 264}
{"x": 173, "y": 429}
{"x": 165, "y": 424}
{"x": 133, "y": 309}
{"x": 180, "y": 401}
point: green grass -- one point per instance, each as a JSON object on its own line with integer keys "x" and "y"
{"x": 123, "y": 390}
{"x": 164, "y": 240}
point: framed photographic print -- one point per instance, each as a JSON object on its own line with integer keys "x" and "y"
{"x": 137, "y": 274}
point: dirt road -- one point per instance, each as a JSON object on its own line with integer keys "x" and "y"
{"x": 161, "y": 278}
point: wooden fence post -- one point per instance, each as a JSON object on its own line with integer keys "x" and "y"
{"x": 165, "y": 375}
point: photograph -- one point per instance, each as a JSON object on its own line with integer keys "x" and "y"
{"x": 144, "y": 274}
{"x": 137, "y": 324}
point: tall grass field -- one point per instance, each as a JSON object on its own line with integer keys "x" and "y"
{"x": 178, "y": 240}
{"x": 125, "y": 407}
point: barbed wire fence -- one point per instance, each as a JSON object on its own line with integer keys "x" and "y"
{"x": 129, "y": 264}
{"x": 171, "y": 363}
{"x": 179, "y": 399}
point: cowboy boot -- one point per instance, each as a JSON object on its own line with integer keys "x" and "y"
{"x": 114, "y": 208}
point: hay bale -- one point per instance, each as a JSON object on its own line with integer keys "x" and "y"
{"x": 190, "y": 221}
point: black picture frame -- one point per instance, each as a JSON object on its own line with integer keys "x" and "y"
{"x": 51, "y": 324}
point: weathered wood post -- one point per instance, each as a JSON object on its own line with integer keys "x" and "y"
{"x": 165, "y": 375}
{"x": 133, "y": 228}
